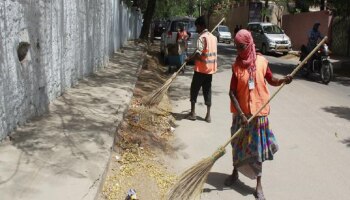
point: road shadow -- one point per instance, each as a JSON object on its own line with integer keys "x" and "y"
{"x": 341, "y": 79}
{"x": 282, "y": 69}
{"x": 342, "y": 72}
{"x": 85, "y": 116}
{"x": 227, "y": 50}
{"x": 184, "y": 115}
{"x": 217, "y": 179}
{"x": 341, "y": 112}
{"x": 181, "y": 116}
{"x": 346, "y": 142}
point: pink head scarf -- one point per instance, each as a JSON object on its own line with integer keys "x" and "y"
{"x": 247, "y": 56}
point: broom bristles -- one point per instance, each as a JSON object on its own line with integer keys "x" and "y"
{"x": 156, "y": 97}
{"x": 189, "y": 185}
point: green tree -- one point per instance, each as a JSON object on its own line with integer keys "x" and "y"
{"x": 172, "y": 8}
{"x": 302, "y": 5}
{"x": 191, "y": 7}
{"x": 160, "y": 9}
{"x": 211, "y": 5}
{"x": 339, "y": 7}
{"x": 265, "y": 11}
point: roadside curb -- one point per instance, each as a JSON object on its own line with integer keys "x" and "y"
{"x": 125, "y": 111}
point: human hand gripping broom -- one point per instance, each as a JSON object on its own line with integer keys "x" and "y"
{"x": 190, "y": 183}
{"x": 156, "y": 96}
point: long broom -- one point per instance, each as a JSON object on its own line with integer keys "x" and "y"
{"x": 155, "y": 97}
{"x": 190, "y": 183}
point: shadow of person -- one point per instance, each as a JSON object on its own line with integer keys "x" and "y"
{"x": 199, "y": 118}
{"x": 185, "y": 115}
{"x": 180, "y": 116}
{"x": 217, "y": 179}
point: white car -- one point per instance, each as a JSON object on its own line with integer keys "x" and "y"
{"x": 269, "y": 37}
{"x": 223, "y": 34}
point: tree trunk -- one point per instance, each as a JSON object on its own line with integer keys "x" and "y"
{"x": 209, "y": 12}
{"x": 348, "y": 51}
{"x": 322, "y": 5}
{"x": 208, "y": 20}
{"x": 302, "y": 5}
{"x": 266, "y": 8}
{"x": 191, "y": 8}
{"x": 147, "y": 19}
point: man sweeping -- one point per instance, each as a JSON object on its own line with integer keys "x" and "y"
{"x": 205, "y": 66}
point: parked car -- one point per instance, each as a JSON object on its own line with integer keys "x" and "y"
{"x": 223, "y": 34}
{"x": 269, "y": 37}
{"x": 158, "y": 28}
{"x": 169, "y": 35}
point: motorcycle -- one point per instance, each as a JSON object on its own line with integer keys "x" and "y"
{"x": 318, "y": 64}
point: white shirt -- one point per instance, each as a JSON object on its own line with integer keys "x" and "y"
{"x": 200, "y": 42}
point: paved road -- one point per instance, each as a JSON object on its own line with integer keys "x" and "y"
{"x": 310, "y": 120}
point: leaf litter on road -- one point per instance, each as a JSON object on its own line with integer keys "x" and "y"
{"x": 142, "y": 136}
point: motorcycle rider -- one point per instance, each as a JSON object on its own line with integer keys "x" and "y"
{"x": 313, "y": 36}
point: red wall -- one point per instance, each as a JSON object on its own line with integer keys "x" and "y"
{"x": 297, "y": 26}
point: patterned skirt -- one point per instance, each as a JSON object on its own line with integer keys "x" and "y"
{"x": 255, "y": 144}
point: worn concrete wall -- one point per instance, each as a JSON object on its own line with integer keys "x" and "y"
{"x": 69, "y": 39}
{"x": 297, "y": 26}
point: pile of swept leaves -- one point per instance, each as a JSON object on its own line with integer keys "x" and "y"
{"x": 142, "y": 136}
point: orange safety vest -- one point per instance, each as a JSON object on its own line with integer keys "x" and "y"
{"x": 251, "y": 101}
{"x": 207, "y": 62}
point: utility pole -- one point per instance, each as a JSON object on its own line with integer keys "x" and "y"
{"x": 200, "y": 7}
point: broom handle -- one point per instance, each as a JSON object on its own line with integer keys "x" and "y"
{"x": 212, "y": 30}
{"x": 184, "y": 64}
{"x": 280, "y": 87}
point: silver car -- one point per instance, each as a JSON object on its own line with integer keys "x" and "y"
{"x": 170, "y": 33}
{"x": 223, "y": 34}
{"x": 269, "y": 38}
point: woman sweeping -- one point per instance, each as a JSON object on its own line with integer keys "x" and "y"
{"x": 248, "y": 93}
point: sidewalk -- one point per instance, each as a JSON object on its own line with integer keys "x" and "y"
{"x": 64, "y": 154}
{"x": 341, "y": 65}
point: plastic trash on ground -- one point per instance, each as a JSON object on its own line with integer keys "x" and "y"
{"x": 131, "y": 195}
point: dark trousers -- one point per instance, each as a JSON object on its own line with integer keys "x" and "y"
{"x": 201, "y": 80}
